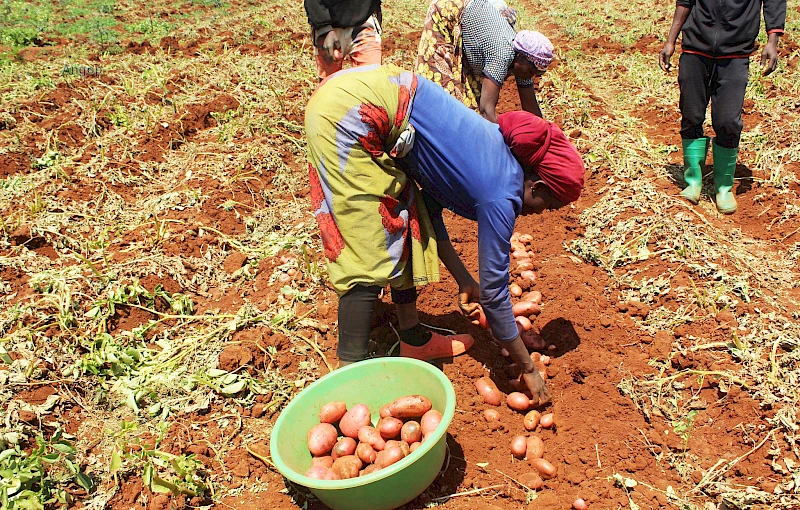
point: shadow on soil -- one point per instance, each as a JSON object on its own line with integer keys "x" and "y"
{"x": 450, "y": 476}
{"x": 743, "y": 176}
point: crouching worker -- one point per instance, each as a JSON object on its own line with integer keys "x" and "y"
{"x": 376, "y": 135}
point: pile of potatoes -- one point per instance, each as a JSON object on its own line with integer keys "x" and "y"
{"x": 526, "y": 303}
{"x": 529, "y": 301}
{"x": 529, "y": 447}
{"x": 346, "y": 445}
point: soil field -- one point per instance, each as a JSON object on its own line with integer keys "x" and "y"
{"x": 163, "y": 291}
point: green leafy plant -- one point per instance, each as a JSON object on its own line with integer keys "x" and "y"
{"x": 683, "y": 427}
{"x": 37, "y": 479}
{"x": 162, "y": 472}
{"x": 119, "y": 117}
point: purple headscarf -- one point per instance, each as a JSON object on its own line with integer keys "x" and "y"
{"x": 536, "y": 47}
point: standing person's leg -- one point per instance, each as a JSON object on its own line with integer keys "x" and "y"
{"x": 417, "y": 341}
{"x": 366, "y": 48}
{"x": 693, "y": 78}
{"x": 727, "y": 101}
{"x": 355, "y": 323}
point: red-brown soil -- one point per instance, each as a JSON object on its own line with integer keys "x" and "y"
{"x": 598, "y": 432}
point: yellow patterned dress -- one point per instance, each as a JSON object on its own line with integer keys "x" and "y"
{"x": 440, "y": 56}
{"x": 373, "y": 221}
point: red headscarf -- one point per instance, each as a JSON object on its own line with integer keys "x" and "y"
{"x": 543, "y": 146}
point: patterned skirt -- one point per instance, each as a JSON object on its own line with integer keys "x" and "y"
{"x": 440, "y": 57}
{"x": 374, "y": 225}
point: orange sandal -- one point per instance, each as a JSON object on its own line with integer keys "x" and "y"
{"x": 439, "y": 346}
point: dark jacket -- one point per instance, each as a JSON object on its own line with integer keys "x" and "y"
{"x": 728, "y": 28}
{"x": 326, "y": 14}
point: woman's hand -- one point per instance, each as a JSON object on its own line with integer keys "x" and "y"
{"x": 540, "y": 395}
{"x": 468, "y": 300}
{"x": 539, "y": 392}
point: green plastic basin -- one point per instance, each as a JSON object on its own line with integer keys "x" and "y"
{"x": 374, "y": 383}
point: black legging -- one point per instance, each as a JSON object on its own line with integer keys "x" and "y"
{"x": 722, "y": 81}
{"x": 355, "y": 318}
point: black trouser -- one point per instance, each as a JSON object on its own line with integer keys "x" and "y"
{"x": 355, "y": 318}
{"x": 721, "y": 80}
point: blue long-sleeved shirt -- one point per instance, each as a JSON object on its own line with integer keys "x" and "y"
{"x": 461, "y": 162}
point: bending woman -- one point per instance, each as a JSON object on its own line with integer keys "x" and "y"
{"x": 470, "y": 47}
{"x": 372, "y": 127}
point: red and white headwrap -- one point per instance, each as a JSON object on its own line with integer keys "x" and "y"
{"x": 544, "y": 147}
{"x": 536, "y": 47}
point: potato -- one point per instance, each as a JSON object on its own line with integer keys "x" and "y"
{"x": 524, "y": 323}
{"x": 515, "y": 290}
{"x": 580, "y": 504}
{"x": 531, "y": 420}
{"x": 481, "y": 320}
{"x": 531, "y": 480}
{"x": 384, "y": 411}
{"x": 389, "y": 427}
{"x": 519, "y": 446}
{"x": 526, "y": 308}
{"x": 372, "y": 437}
{"x": 368, "y": 470}
{"x": 410, "y": 406}
{"x": 317, "y": 472}
{"x": 533, "y": 296}
{"x": 430, "y": 421}
{"x": 366, "y": 453}
{"x": 534, "y": 448}
{"x": 545, "y": 360}
{"x": 518, "y": 401}
{"x": 405, "y": 447}
{"x": 542, "y": 369}
{"x": 519, "y": 254}
{"x": 347, "y": 467}
{"x": 414, "y": 446}
{"x": 533, "y": 340}
{"x": 343, "y": 447}
{"x": 353, "y": 420}
{"x": 322, "y": 473}
{"x": 528, "y": 274}
{"x": 524, "y": 265}
{"x": 547, "y": 420}
{"x": 388, "y": 456}
{"x": 411, "y": 432}
{"x": 526, "y": 238}
{"x": 326, "y": 461}
{"x": 488, "y": 390}
{"x": 491, "y": 415}
{"x": 332, "y": 412}
{"x": 516, "y": 245}
{"x": 321, "y": 438}
{"x": 544, "y": 468}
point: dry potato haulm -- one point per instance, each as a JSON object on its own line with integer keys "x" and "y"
{"x": 164, "y": 291}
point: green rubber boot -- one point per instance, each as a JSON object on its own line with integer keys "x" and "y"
{"x": 694, "y": 157}
{"x": 724, "y": 168}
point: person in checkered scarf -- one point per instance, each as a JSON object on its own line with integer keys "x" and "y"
{"x": 470, "y": 47}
